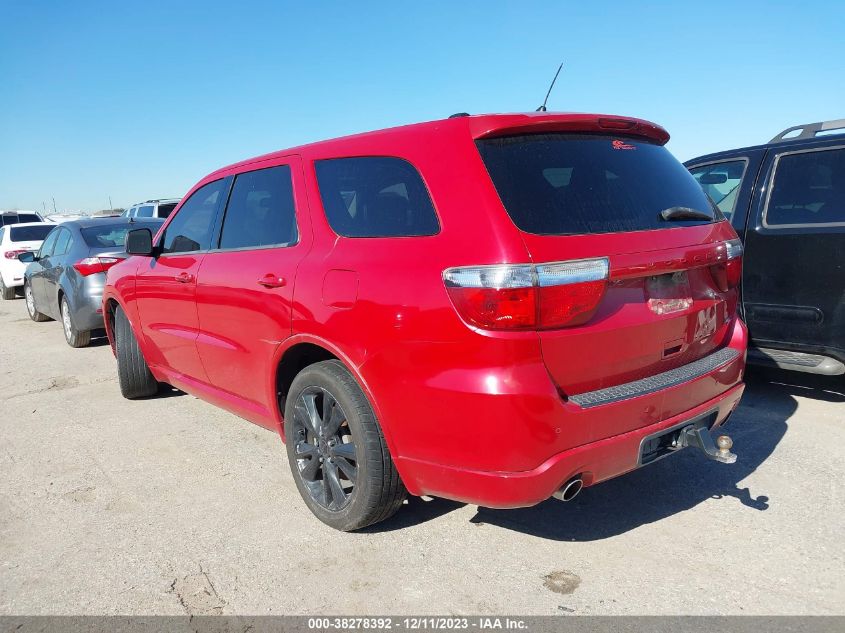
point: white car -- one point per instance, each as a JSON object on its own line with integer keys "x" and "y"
{"x": 160, "y": 208}
{"x": 14, "y": 240}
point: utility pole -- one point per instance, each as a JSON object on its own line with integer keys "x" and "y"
{"x": 54, "y": 204}
{"x": 44, "y": 206}
{"x": 111, "y": 206}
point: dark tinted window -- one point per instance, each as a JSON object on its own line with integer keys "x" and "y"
{"x": 164, "y": 210}
{"x": 375, "y": 197}
{"x": 15, "y": 218}
{"x": 808, "y": 188}
{"x": 191, "y": 229}
{"x": 563, "y": 184}
{"x": 260, "y": 210}
{"x": 721, "y": 181}
{"x": 145, "y": 211}
{"x": 114, "y": 235}
{"x": 62, "y": 243}
{"x": 49, "y": 242}
{"x": 29, "y": 233}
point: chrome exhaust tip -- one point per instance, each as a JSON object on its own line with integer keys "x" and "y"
{"x": 569, "y": 490}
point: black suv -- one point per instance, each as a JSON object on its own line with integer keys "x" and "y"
{"x": 786, "y": 199}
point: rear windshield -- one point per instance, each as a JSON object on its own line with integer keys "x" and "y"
{"x": 113, "y": 235}
{"x": 566, "y": 184}
{"x": 29, "y": 233}
{"x": 164, "y": 210}
{"x": 15, "y": 218}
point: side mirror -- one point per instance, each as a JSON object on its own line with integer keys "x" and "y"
{"x": 27, "y": 258}
{"x": 139, "y": 242}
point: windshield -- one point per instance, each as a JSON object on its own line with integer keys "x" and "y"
{"x": 572, "y": 184}
{"x": 29, "y": 233}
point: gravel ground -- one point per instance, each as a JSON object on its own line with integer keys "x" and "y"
{"x": 172, "y": 506}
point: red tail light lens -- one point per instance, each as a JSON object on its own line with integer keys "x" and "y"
{"x": 93, "y": 265}
{"x": 728, "y": 272}
{"x": 14, "y": 254}
{"x": 527, "y": 297}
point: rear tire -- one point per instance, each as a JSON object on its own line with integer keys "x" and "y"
{"x": 134, "y": 375}
{"x": 73, "y": 336}
{"x": 6, "y": 293}
{"x": 336, "y": 449}
{"x": 33, "y": 312}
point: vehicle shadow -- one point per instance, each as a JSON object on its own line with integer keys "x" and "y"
{"x": 670, "y": 486}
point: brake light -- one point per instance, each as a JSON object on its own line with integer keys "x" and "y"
{"x": 728, "y": 272}
{"x": 92, "y": 265}
{"x": 14, "y": 254}
{"x": 525, "y": 296}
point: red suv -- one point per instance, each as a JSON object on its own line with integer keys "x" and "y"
{"x": 494, "y": 309}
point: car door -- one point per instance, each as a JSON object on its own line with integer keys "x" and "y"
{"x": 794, "y": 263}
{"x": 166, "y": 283}
{"x": 36, "y": 272}
{"x": 53, "y": 270}
{"x": 245, "y": 285}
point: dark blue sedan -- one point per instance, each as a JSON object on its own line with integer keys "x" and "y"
{"x": 65, "y": 278}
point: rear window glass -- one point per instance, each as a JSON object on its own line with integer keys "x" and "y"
{"x": 113, "y": 235}
{"x": 375, "y": 196}
{"x": 164, "y": 210}
{"x": 568, "y": 184}
{"x": 29, "y": 233}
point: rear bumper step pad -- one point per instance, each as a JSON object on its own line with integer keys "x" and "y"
{"x": 657, "y": 382}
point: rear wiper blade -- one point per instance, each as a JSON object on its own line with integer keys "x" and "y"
{"x": 684, "y": 213}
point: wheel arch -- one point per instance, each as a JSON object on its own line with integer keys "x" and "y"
{"x": 302, "y": 350}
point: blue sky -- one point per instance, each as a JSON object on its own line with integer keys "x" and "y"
{"x": 141, "y": 99}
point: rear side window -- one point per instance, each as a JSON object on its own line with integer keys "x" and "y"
{"x": 260, "y": 211}
{"x": 721, "y": 181}
{"x": 48, "y": 244}
{"x": 191, "y": 229}
{"x": 808, "y": 189}
{"x": 375, "y": 196}
{"x": 567, "y": 184}
{"x": 63, "y": 243}
{"x": 29, "y": 233}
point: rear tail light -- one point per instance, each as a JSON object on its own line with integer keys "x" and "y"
{"x": 527, "y": 297}
{"x": 728, "y": 272}
{"x": 14, "y": 254}
{"x": 92, "y": 265}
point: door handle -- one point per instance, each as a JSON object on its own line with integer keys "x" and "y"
{"x": 184, "y": 278}
{"x": 272, "y": 281}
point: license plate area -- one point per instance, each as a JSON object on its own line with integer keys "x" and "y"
{"x": 659, "y": 445}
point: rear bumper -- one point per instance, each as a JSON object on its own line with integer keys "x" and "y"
{"x": 595, "y": 462}
{"x": 87, "y": 303}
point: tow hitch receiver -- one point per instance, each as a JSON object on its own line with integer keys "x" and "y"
{"x": 699, "y": 437}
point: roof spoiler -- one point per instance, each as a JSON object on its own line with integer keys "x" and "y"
{"x": 809, "y": 130}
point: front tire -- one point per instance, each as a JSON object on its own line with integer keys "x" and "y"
{"x": 134, "y": 375}
{"x": 73, "y": 336}
{"x": 336, "y": 450}
{"x": 34, "y": 314}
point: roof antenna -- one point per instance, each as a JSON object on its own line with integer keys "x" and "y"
{"x": 542, "y": 108}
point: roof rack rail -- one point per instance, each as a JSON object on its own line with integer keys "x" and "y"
{"x": 809, "y": 130}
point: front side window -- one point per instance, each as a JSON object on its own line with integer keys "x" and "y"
{"x": 191, "y": 228}
{"x": 145, "y": 211}
{"x": 375, "y": 196}
{"x": 721, "y": 181}
{"x": 49, "y": 243}
{"x": 573, "y": 184}
{"x": 261, "y": 210}
{"x": 808, "y": 189}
